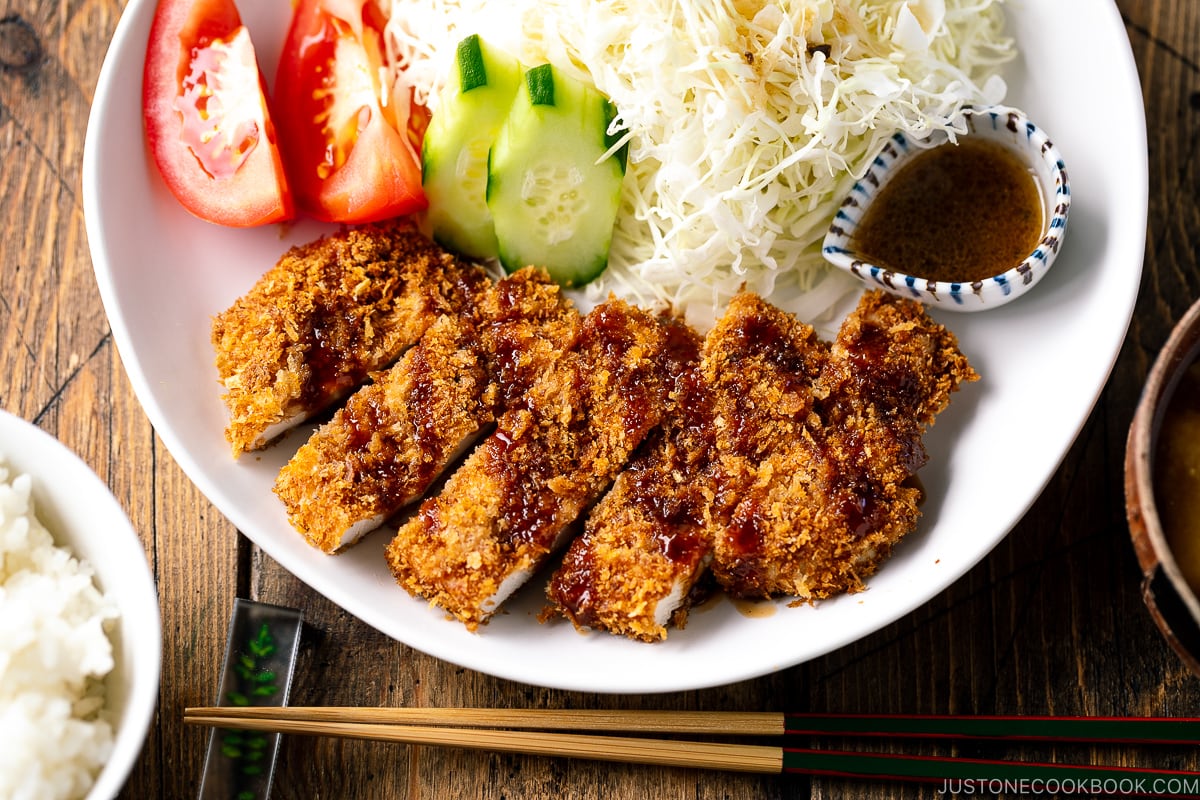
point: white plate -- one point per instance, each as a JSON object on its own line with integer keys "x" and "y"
{"x": 81, "y": 513}
{"x": 1044, "y": 360}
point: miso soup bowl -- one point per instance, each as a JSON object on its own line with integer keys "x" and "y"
{"x": 1001, "y": 124}
{"x": 1171, "y": 602}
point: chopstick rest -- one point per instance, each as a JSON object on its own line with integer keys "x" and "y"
{"x": 260, "y": 657}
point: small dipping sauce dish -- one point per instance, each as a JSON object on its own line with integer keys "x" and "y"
{"x": 967, "y": 225}
{"x": 1162, "y": 489}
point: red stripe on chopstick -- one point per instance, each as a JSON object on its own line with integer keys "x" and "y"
{"x": 979, "y": 776}
{"x": 1116, "y": 730}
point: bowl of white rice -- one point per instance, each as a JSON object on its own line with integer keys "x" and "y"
{"x": 80, "y": 636}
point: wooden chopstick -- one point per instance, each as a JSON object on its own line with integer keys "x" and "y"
{"x": 733, "y": 723}
{"x": 1125, "y": 730}
{"x": 632, "y": 750}
{"x": 704, "y": 755}
{"x": 1115, "y": 730}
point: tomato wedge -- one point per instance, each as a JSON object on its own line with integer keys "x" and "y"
{"x": 352, "y": 145}
{"x": 206, "y": 118}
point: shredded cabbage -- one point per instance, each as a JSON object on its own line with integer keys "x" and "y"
{"x": 747, "y": 120}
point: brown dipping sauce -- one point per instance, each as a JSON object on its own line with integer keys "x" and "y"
{"x": 1177, "y": 475}
{"x": 955, "y": 213}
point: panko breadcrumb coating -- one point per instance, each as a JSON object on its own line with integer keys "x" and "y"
{"x": 830, "y": 500}
{"x": 514, "y": 500}
{"x": 747, "y": 391}
{"x": 758, "y": 458}
{"x": 327, "y": 314}
{"x": 786, "y": 463}
{"x": 391, "y": 440}
{"x": 395, "y": 436}
{"x": 646, "y": 542}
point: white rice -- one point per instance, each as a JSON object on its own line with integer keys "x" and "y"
{"x": 54, "y": 654}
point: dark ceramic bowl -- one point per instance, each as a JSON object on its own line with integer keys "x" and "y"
{"x": 1171, "y": 601}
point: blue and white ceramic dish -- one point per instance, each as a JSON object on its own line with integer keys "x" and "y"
{"x": 1001, "y": 124}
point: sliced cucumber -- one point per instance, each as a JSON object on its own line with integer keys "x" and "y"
{"x": 553, "y": 194}
{"x": 472, "y": 106}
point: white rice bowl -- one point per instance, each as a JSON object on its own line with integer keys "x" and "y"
{"x": 80, "y": 638}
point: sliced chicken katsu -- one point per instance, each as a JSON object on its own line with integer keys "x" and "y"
{"x": 325, "y": 316}
{"x": 789, "y": 466}
{"x": 646, "y": 542}
{"x": 760, "y": 364}
{"x": 395, "y": 436}
{"x": 832, "y": 497}
{"x": 513, "y": 501}
{"x": 636, "y": 568}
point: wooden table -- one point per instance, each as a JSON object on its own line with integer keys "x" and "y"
{"x": 1050, "y": 622}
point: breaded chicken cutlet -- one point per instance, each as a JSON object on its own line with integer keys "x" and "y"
{"x": 514, "y": 500}
{"x": 646, "y": 542}
{"x": 396, "y": 435}
{"x": 650, "y": 539}
{"x": 828, "y": 505}
{"x": 325, "y": 316}
{"x": 787, "y": 468}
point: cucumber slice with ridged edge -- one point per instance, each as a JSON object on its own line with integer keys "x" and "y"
{"x": 552, "y": 192}
{"x": 478, "y": 94}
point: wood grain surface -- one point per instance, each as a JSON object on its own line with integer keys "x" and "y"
{"x": 1051, "y": 622}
